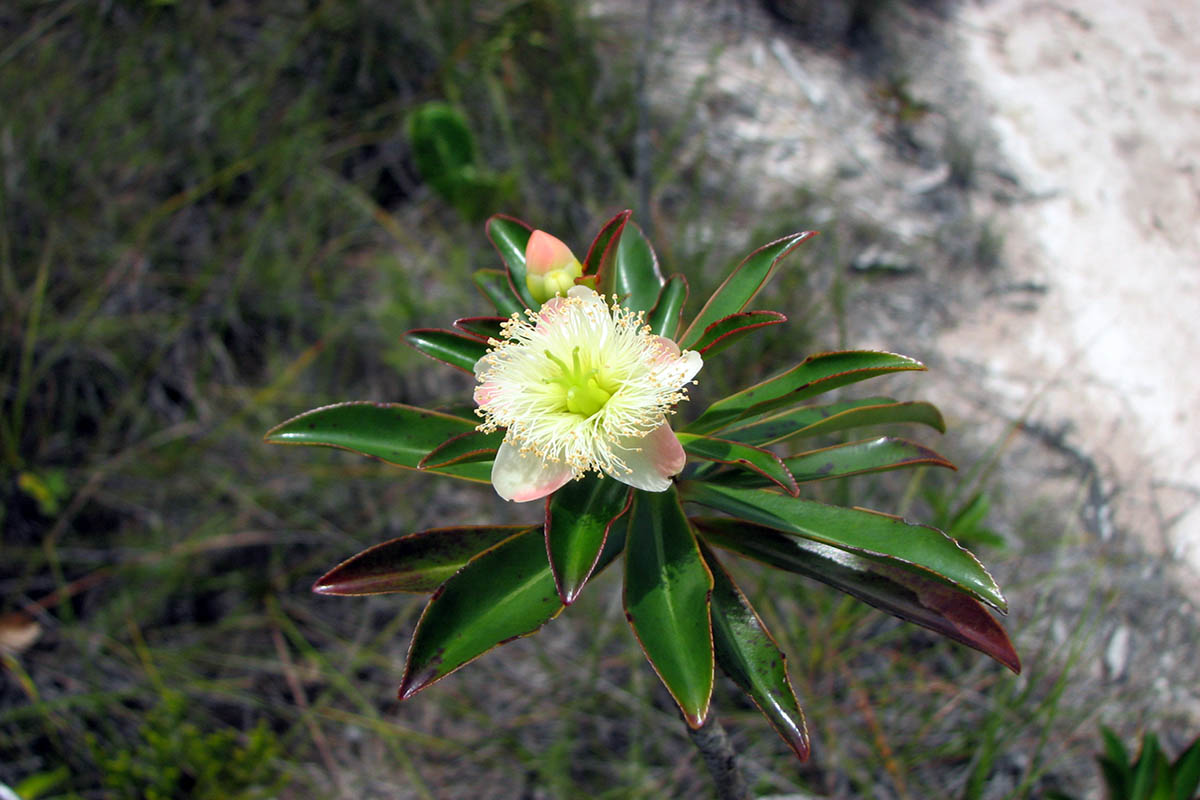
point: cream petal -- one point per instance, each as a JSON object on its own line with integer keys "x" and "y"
{"x": 652, "y": 459}
{"x": 692, "y": 362}
{"x": 521, "y": 477}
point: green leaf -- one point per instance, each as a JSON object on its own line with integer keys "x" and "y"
{"x": 419, "y": 562}
{"x": 815, "y": 375}
{"x": 664, "y": 319}
{"x": 724, "y": 332}
{"x": 509, "y": 236}
{"x": 666, "y": 600}
{"x": 926, "y": 550}
{"x": 392, "y": 432}
{"x": 502, "y": 594}
{"x": 601, "y": 254}
{"x": 578, "y": 519}
{"x": 636, "y": 278}
{"x": 843, "y": 460}
{"x": 1186, "y": 772}
{"x": 464, "y": 448}
{"x": 759, "y": 462}
{"x": 748, "y": 654}
{"x": 901, "y": 592}
{"x": 460, "y": 352}
{"x": 493, "y": 283}
{"x": 834, "y": 417}
{"x": 481, "y": 327}
{"x": 742, "y": 285}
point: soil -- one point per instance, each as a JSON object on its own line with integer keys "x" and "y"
{"x": 1015, "y": 188}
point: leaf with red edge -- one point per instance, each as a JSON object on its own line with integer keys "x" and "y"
{"x": 877, "y": 580}
{"x": 493, "y": 284}
{"x": 392, "y": 432}
{"x": 921, "y": 548}
{"x": 578, "y": 519}
{"x": 815, "y": 375}
{"x": 724, "y": 332}
{"x": 419, "y": 562}
{"x": 843, "y": 460}
{"x": 663, "y": 319}
{"x": 482, "y": 328}
{"x": 761, "y": 463}
{"x": 460, "y": 352}
{"x": 834, "y": 417}
{"x": 601, "y": 253}
{"x": 666, "y": 600}
{"x": 635, "y": 277}
{"x": 742, "y": 284}
{"x": 748, "y": 654}
{"x": 509, "y": 236}
{"x": 501, "y": 594}
{"x": 464, "y": 448}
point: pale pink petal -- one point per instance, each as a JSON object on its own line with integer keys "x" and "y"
{"x": 588, "y": 295}
{"x": 681, "y": 366}
{"x": 653, "y": 459}
{"x": 486, "y": 393}
{"x": 522, "y": 477}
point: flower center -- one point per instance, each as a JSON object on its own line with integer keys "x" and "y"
{"x": 583, "y": 393}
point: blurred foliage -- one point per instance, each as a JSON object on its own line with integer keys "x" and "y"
{"x": 172, "y": 758}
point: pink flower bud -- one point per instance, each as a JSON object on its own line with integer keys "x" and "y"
{"x": 550, "y": 266}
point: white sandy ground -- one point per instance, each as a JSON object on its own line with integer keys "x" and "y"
{"x": 1097, "y": 106}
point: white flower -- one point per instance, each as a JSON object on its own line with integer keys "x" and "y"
{"x": 580, "y": 386}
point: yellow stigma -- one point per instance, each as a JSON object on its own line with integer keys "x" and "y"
{"x": 582, "y": 392}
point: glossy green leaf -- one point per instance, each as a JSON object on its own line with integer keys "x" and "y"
{"x": 843, "y": 460}
{"x": 760, "y": 463}
{"x": 509, "y": 236}
{"x": 466, "y": 447}
{"x": 664, "y": 318}
{"x": 481, "y": 327}
{"x": 666, "y": 600}
{"x": 578, "y": 519}
{"x": 392, "y": 432}
{"x": 460, "y": 352}
{"x": 636, "y": 278}
{"x": 924, "y": 549}
{"x": 834, "y": 417}
{"x": 419, "y": 562}
{"x": 748, "y": 654}
{"x": 501, "y": 594}
{"x": 724, "y": 332}
{"x": 891, "y": 588}
{"x": 815, "y": 375}
{"x": 493, "y": 283}
{"x": 742, "y": 285}
{"x": 601, "y": 254}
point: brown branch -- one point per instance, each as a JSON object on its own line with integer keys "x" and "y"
{"x": 713, "y": 743}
